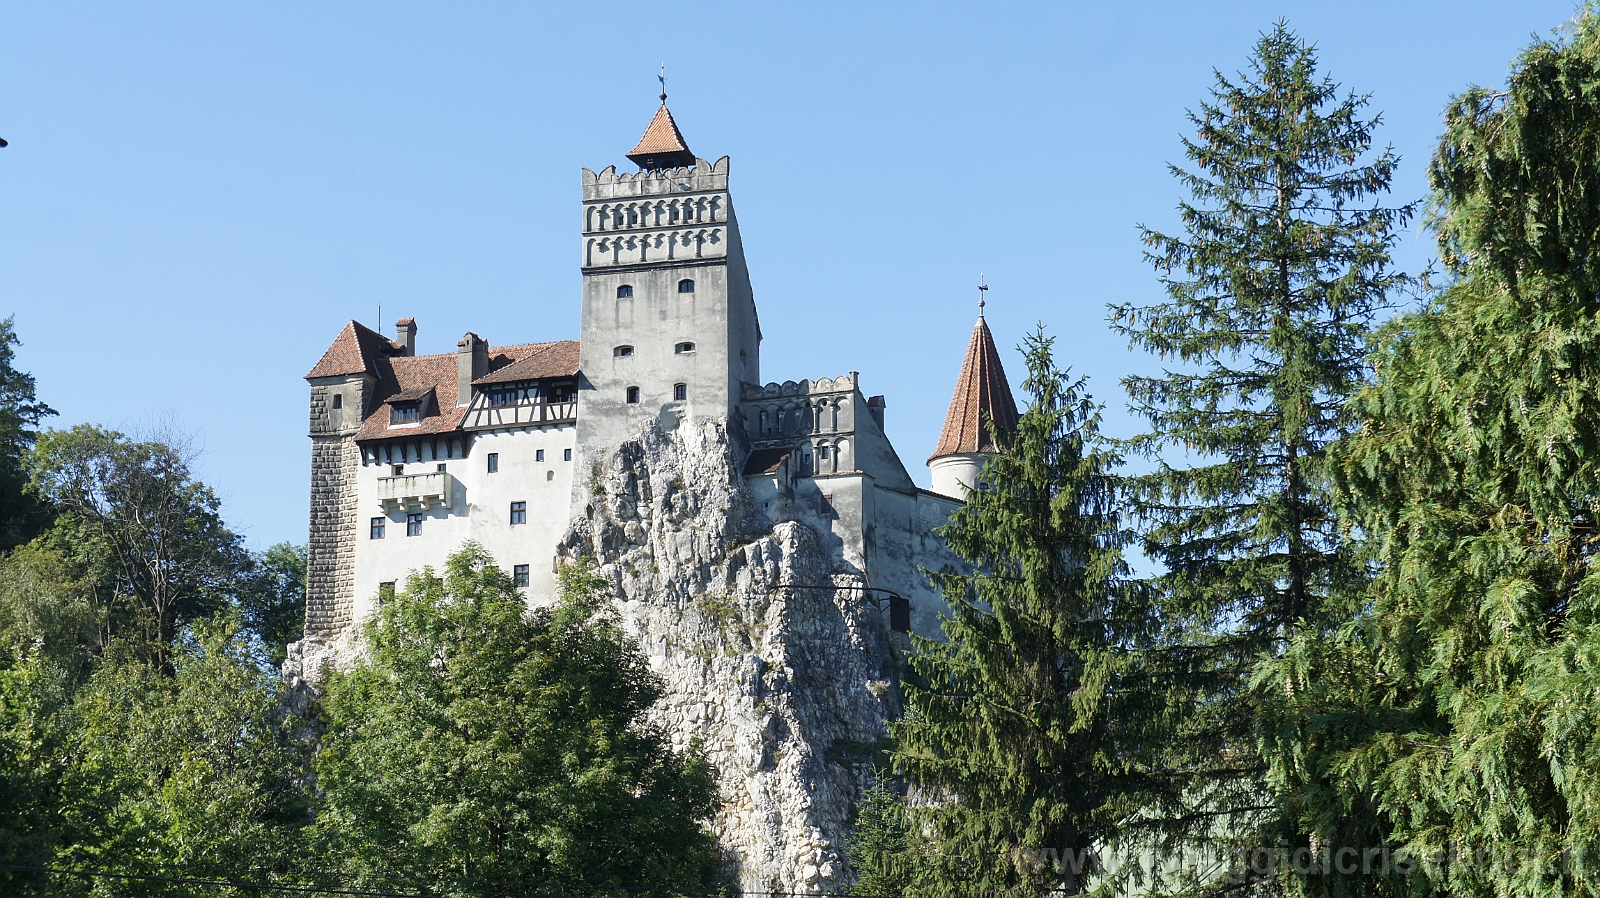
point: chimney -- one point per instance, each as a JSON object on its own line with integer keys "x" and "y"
{"x": 875, "y": 406}
{"x": 472, "y": 362}
{"x": 405, "y": 336}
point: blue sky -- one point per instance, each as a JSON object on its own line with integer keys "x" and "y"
{"x": 197, "y": 197}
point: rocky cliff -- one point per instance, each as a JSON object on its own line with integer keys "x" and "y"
{"x": 772, "y": 662}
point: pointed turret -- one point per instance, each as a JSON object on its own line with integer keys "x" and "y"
{"x": 662, "y": 145}
{"x": 982, "y": 394}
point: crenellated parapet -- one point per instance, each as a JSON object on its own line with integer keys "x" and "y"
{"x": 666, "y": 215}
{"x": 816, "y": 416}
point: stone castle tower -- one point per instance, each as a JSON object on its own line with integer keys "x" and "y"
{"x": 764, "y": 540}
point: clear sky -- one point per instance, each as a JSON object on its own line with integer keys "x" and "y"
{"x": 197, "y": 197}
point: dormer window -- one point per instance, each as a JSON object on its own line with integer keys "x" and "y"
{"x": 624, "y": 291}
{"x": 404, "y": 413}
{"x": 686, "y": 286}
{"x": 622, "y": 352}
{"x": 682, "y": 348}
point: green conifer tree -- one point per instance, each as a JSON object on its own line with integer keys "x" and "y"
{"x": 1020, "y": 725}
{"x": 1272, "y": 288}
{"x": 1477, "y": 475}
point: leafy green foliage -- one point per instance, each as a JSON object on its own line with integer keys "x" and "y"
{"x": 140, "y": 523}
{"x": 481, "y": 744}
{"x": 22, "y": 515}
{"x": 1476, "y": 476}
{"x": 1272, "y": 289}
{"x": 1022, "y": 724}
{"x": 272, "y": 598}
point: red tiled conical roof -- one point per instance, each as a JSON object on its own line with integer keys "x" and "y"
{"x": 662, "y": 145}
{"x": 981, "y": 393}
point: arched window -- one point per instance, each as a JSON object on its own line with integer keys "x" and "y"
{"x": 633, "y": 395}
{"x": 622, "y": 352}
{"x": 686, "y": 286}
{"x": 680, "y": 392}
{"x": 682, "y": 348}
{"x": 624, "y": 291}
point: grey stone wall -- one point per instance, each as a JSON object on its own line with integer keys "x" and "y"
{"x": 331, "y": 541}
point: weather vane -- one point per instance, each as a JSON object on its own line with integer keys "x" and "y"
{"x": 663, "y": 79}
{"x": 982, "y": 290}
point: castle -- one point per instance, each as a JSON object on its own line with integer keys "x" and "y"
{"x": 652, "y": 446}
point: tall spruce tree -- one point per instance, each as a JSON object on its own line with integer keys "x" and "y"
{"x": 1019, "y": 726}
{"x": 1272, "y": 288}
{"x": 1477, "y": 475}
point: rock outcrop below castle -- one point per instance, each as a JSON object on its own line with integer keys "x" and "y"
{"x": 773, "y": 661}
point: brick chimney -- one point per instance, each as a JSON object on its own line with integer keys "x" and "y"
{"x": 405, "y": 336}
{"x": 472, "y": 362}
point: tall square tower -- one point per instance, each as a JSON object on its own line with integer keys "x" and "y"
{"x": 669, "y": 320}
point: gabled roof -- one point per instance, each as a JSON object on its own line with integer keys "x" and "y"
{"x": 662, "y": 145}
{"x": 766, "y": 461}
{"x": 356, "y": 350}
{"x": 558, "y": 359}
{"x": 404, "y": 378}
{"x": 981, "y": 393}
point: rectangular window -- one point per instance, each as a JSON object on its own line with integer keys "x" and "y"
{"x": 680, "y": 392}
{"x": 519, "y": 575}
{"x": 519, "y": 512}
{"x": 494, "y": 462}
{"x": 566, "y": 455}
{"x": 441, "y": 466}
{"x": 338, "y": 401}
{"x": 538, "y": 455}
{"x": 823, "y": 452}
{"x": 385, "y": 592}
{"x": 413, "y": 525}
{"x": 403, "y": 414}
{"x": 377, "y": 528}
{"x": 397, "y": 470}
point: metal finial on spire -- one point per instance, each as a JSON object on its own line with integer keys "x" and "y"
{"x": 663, "y": 79}
{"x": 982, "y": 290}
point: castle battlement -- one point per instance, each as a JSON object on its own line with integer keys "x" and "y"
{"x": 701, "y": 177}
{"x": 844, "y": 383}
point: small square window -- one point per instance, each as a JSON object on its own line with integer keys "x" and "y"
{"x": 378, "y": 527}
{"x": 538, "y": 455}
{"x": 566, "y": 455}
{"x": 624, "y": 291}
{"x": 686, "y": 286}
{"x": 680, "y": 392}
{"x": 519, "y": 512}
{"x": 385, "y": 592}
{"x": 441, "y": 466}
{"x": 494, "y": 462}
{"x": 633, "y": 395}
{"x": 397, "y": 470}
{"x": 413, "y": 525}
{"x": 519, "y": 575}
{"x": 682, "y": 348}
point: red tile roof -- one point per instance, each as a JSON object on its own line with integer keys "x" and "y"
{"x": 356, "y": 350}
{"x": 360, "y": 350}
{"x": 559, "y": 359}
{"x": 981, "y": 393}
{"x": 662, "y": 145}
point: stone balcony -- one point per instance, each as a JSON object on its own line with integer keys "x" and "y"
{"x": 416, "y": 492}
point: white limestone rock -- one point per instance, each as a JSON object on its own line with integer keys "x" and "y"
{"x": 784, "y": 688}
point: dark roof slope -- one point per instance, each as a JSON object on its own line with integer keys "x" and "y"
{"x": 981, "y": 392}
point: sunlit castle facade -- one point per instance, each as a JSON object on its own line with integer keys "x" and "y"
{"x": 414, "y": 454}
